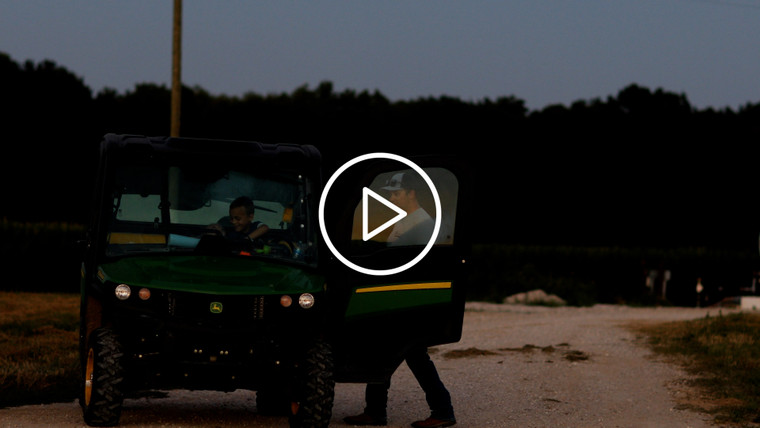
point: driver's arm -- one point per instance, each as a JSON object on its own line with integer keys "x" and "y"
{"x": 262, "y": 229}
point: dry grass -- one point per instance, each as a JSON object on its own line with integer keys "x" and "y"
{"x": 723, "y": 355}
{"x": 38, "y": 347}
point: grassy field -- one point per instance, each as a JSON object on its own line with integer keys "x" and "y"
{"x": 39, "y": 354}
{"x": 39, "y": 347}
{"x": 723, "y": 355}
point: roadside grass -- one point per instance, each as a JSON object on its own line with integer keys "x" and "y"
{"x": 722, "y": 353}
{"x": 39, "y": 347}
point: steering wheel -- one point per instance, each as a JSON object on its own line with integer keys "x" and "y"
{"x": 212, "y": 231}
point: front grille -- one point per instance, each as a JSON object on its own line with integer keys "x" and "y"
{"x": 216, "y": 310}
{"x": 172, "y": 303}
{"x": 257, "y": 307}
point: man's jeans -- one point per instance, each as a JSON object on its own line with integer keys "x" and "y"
{"x": 423, "y": 369}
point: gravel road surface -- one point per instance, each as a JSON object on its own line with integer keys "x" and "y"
{"x": 516, "y": 366}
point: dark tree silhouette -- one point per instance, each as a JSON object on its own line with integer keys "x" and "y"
{"x": 642, "y": 167}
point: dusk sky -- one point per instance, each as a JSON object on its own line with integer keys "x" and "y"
{"x": 541, "y": 51}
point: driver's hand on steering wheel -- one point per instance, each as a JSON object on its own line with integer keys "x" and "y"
{"x": 217, "y": 228}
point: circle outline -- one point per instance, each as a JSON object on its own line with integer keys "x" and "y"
{"x": 436, "y": 228}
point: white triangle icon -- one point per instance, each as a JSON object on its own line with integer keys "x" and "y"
{"x": 366, "y": 235}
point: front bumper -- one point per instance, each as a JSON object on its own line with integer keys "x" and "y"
{"x": 198, "y": 341}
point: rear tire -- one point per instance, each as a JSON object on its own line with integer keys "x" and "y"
{"x": 102, "y": 394}
{"x": 312, "y": 408}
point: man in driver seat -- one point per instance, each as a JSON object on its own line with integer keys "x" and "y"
{"x": 243, "y": 226}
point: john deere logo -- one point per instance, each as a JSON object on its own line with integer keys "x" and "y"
{"x": 216, "y": 307}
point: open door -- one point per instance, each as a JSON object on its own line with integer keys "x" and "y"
{"x": 400, "y": 245}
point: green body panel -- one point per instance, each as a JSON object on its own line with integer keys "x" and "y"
{"x": 212, "y": 275}
{"x": 367, "y": 304}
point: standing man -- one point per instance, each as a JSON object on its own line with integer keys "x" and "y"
{"x": 414, "y": 229}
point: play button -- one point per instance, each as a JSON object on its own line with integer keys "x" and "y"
{"x": 368, "y": 196}
{"x": 366, "y": 193}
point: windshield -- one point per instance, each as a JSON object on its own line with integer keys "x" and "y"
{"x": 176, "y": 209}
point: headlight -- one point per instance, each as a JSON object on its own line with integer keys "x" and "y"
{"x": 306, "y": 300}
{"x": 286, "y": 301}
{"x": 122, "y": 292}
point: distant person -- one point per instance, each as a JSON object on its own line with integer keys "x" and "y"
{"x": 243, "y": 227}
{"x": 415, "y": 228}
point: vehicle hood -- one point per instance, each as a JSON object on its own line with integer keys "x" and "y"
{"x": 211, "y": 275}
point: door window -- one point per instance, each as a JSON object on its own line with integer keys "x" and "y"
{"x": 408, "y": 191}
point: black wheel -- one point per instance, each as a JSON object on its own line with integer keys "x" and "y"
{"x": 102, "y": 394}
{"x": 312, "y": 407}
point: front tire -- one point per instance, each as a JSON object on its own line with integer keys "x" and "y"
{"x": 312, "y": 408}
{"x": 102, "y": 394}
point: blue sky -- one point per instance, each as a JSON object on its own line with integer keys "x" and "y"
{"x": 541, "y": 51}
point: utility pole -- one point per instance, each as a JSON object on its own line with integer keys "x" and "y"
{"x": 176, "y": 68}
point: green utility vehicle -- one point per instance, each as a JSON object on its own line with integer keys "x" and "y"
{"x": 174, "y": 298}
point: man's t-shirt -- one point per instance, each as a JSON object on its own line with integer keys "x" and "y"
{"x": 414, "y": 229}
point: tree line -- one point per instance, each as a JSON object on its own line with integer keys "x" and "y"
{"x": 640, "y": 168}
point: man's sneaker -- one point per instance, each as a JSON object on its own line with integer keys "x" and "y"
{"x": 366, "y": 420}
{"x": 432, "y": 422}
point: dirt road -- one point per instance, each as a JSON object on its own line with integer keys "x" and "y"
{"x": 516, "y": 366}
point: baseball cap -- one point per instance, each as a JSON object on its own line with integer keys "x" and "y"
{"x": 402, "y": 180}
